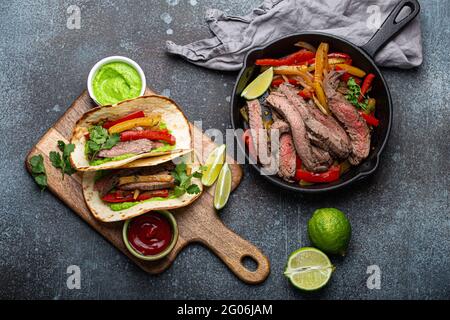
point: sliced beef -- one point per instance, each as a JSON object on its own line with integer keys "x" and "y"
{"x": 287, "y": 162}
{"x": 147, "y": 186}
{"x": 301, "y": 142}
{"x": 280, "y": 125}
{"x": 347, "y": 114}
{"x": 106, "y": 184}
{"x": 258, "y": 132}
{"x": 326, "y": 132}
{"x": 135, "y": 146}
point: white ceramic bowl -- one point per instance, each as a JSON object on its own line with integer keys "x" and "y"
{"x": 114, "y": 59}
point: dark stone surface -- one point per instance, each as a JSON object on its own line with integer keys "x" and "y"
{"x": 400, "y": 216}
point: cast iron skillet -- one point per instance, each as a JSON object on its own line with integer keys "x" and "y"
{"x": 362, "y": 58}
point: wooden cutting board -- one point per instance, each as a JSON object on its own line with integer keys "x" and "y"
{"x": 199, "y": 222}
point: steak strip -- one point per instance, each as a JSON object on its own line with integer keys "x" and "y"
{"x": 326, "y": 132}
{"x": 147, "y": 186}
{"x": 136, "y": 147}
{"x": 301, "y": 142}
{"x": 347, "y": 114}
{"x": 257, "y": 131}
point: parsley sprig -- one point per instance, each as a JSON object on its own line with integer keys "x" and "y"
{"x": 63, "y": 161}
{"x": 99, "y": 139}
{"x": 354, "y": 91}
{"x": 183, "y": 180}
{"x": 38, "y": 171}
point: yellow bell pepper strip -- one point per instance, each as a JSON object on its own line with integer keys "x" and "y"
{"x": 300, "y": 71}
{"x": 320, "y": 106}
{"x": 321, "y": 65}
{"x": 331, "y": 62}
{"x": 354, "y": 71}
{"x": 130, "y": 124}
{"x": 321, "y": 61}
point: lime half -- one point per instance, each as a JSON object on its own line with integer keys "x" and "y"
{"x": 223, "y": 187}
{"x": 308, "y": 269}
{"x": 213, "y": 165}
{"x": 258, "y": 86}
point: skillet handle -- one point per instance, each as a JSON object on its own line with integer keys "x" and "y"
{"x": 390, "y": 27}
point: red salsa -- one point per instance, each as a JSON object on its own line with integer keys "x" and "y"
{"x": 149, "y": 234}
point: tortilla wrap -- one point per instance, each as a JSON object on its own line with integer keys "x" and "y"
{"x": 170, "y": 113}
{"x": 103, "y": 212}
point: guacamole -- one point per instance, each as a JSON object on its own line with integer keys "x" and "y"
{"x": 115, "y": 82}
{"x": 126, "y": 205}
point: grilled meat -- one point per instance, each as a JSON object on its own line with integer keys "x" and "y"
{"x": 287, "y": 164}
{"x": 135, "y": 147}
{"x": 326, "y": 132}
{"x": 148, "y": 186}
{"x": 301, "y": 142}
{"x": 280, "y": 125}
{"x": 258, "y": 132}
{"x": 347, "y": 114}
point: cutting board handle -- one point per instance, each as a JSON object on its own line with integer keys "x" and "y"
{"x": 227, "y": 245}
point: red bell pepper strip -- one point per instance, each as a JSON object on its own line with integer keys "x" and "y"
{"x": 367, "y": 83}
{"x": 121, "y": 196}
{"x": 370, "y": 119}
{"x": 247, "y": 138}
{"x": 134, "y": 115}
{"x": 305, "y": 94}
{"x": 278, "y": 82}
{"x": 331, "y": 175}
{"x": 297, "y": 58}
{"x": 161, "y": 135}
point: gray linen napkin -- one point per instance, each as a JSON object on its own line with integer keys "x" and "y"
{"x": 354, "y": 20}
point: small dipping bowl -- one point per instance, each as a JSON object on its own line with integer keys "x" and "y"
{"x": 110, "y": 59}
{"x": 174, "y": 227}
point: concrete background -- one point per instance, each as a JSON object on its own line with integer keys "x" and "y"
{"x": 400, "y": 216}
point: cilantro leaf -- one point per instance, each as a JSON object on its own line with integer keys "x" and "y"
{"x": 193, "y": 189}
{"x": 111, "y": 141}
{"x": 41, "y": 181}
{"x": 63, "y": 162}
{"x": 184, "y": 181}
{"x": 38, "y": 171}
{"x": 178, "y": 191}
{"x": 55, "y": 159}
{"x": 354, "y": 91}
{"x": 37, "y": 164}
{"x": 99, "y": 139}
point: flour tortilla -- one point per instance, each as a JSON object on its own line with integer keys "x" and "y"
{"x": 170, "y": 114}
{"x": 103, "y": 212}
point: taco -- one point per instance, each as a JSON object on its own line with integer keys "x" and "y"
{"x": 149, "y": 127}
{"x": 123, "y": 193}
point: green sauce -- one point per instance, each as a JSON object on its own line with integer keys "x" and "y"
{"x": 104, "y": 160}
{"x": 115, "y": 82}
{"x": 126, "y": 205}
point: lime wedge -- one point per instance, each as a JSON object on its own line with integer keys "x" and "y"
{"x": 223, "y": 187}
{"x": 213, "y": 165}
{"x": 308, "y": 269}
{"x": 258, "y": 86}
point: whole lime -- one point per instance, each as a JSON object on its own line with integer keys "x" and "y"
{"x": 330, "y": 231}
